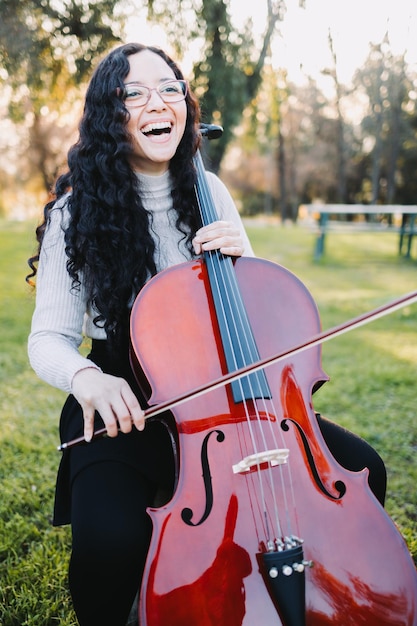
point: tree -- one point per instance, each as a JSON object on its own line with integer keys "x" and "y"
{"x": 48, "y": 47}
{"x": 311, "y": 131}
{"x": 228, "y": 75}
{"x": 398, "y": 87}
{"x": 386, "y": 126}
{"x": 293, "y": 129}
{"x": 46, "y": 51}
{"x": 281, "y": 140}
{"x": 406, "y": 192}
{"x": 340, "y": 126}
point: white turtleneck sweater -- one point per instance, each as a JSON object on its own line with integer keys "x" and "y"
{"x": 64, "y": 316}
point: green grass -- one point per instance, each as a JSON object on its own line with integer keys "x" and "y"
{"x": 372, "y": 391}
{"x": 33, "y": 555}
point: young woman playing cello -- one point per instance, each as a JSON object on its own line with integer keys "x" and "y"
{"x": 124, "y": 211}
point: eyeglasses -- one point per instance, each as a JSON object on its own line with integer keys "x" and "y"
{"x": 137, "y": 95}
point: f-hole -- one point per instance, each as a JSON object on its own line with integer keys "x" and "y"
{"x": 187, "y": 514}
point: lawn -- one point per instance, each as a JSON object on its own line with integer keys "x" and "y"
{"x": 371, "y": 390}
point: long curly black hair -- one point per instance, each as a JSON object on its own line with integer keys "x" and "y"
{"x": 108, "y": 238}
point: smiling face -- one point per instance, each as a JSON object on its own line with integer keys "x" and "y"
{"x": 157, "y": 127}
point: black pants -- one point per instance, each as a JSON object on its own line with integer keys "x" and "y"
{"x": 104, "y": 490}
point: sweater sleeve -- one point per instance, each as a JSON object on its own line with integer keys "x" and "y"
{"x": 227, "y": 210}
{"x": 57, "y": 322}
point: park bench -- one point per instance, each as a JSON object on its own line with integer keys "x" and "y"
{"x": 403, "y": 221}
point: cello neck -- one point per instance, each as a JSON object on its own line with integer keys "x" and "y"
{"x": 238, "y": 342}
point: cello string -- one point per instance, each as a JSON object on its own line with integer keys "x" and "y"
{"x": 224, "y": 280}
{"x": 228, "y": 269}
{"x": 261, "y": 500}
{"x": 270, "y": 483}
{"x": 267, "y": 476}
{"x": 206, "y": 208}
{"x": 210, "y": 215}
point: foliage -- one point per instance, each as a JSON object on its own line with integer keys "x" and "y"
{"x": 44, "y": 43}
{"x": 328, "y": 153}
{"x": 296, "y": 143}
{"x": 228, "y": 75}
{"x": 291, "y": 131}
{"x": 389, "y": 90}
{"x": 46, "y": 50}
{"x": 371, "y": 391}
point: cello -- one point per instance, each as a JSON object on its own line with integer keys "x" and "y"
{"x": 264, "y": 528}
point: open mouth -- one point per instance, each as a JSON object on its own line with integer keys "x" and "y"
{"x": 158, "y": 128}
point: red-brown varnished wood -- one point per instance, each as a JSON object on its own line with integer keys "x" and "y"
{"x": 205, "y": 572}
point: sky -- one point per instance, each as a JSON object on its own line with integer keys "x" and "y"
{"x": 303, "y": 46}
{"x": 353, "y": 25}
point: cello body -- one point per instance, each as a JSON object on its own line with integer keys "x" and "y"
{"x": 205, "y": 565}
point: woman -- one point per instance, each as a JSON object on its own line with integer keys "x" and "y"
{"x": 124, "y": 211}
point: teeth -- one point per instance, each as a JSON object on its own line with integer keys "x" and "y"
{"x": 156, "y": 126}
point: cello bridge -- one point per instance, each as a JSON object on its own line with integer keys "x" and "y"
{"x": 272, "y": 458}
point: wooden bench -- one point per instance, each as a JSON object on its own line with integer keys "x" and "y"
{"x": 403, "y": 222}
